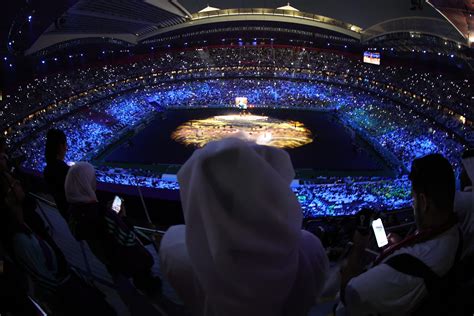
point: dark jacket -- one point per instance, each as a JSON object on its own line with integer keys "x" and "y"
{"x": 55, "y": 176}
{"x": 110, "y": 238}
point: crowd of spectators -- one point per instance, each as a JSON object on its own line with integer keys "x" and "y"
{"x": 292, "y": 62}
{"x": 97, "y": 106}
{"x": 254, "y": 263}
{"x": 388, "y": 126}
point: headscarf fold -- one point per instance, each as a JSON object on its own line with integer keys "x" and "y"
{"x": 80, "y": 184}
{"x": 243, "y": 227}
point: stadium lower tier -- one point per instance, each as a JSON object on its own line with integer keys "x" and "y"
{"x": 387, "y": 135}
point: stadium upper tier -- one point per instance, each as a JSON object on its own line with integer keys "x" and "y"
{"x": 402, "y": 113}
{"x": 136, "y": 23}
{"x": 433, "y": 92}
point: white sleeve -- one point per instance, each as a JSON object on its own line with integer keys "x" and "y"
{"x": 176, "y": 267}
{"x": 382, "y": 289}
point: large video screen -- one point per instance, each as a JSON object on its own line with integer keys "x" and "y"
{"x": 372, "y": 58}
{"x": 241, "y": 103}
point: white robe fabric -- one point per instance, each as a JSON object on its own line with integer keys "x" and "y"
{"x": 80, "y": 184}
{"x": 242, "y": 250}
{"x": 464, "y": 209}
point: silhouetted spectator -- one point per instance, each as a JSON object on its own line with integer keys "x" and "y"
{"x": 56, "y": 169}
{"x": 242, "y": 250}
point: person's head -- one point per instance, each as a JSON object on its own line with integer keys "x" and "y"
{"x": 80, "y": 183}
{"x": 56, "y": 145}
{"x": 243, "y": 222}
{"x": 467, "y": 172}
{"x": 433, "y": 190}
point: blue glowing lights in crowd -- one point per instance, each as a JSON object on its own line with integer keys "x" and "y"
{"x": 92, "y": 131}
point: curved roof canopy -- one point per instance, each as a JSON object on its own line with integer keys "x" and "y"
{"x": 288, "y": 7}
{"x": 459, "y": 13}
{"x": 208, "y": 9}
{"x": 133, "y": 21}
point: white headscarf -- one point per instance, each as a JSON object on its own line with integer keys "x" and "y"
{"x": 243, "y": 230}
{"x": 80, "y": 183}
{"x": 464, "y": 208}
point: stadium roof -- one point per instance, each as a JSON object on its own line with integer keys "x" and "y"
{"x": 118, "y": 19}
{"x": 133, "y": 21}
{"x": 208, "y": 9}
{"x": 459, "y": 13}
{"x": 288, "y": 7}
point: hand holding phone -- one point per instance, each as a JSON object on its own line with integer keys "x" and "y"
{"x": 379, "y": 232}
{"x": 117, "y": 204}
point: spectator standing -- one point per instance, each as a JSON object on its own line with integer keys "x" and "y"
{"x": 56, "y": 169}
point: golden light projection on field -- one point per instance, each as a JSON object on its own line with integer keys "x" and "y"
{"x": 262, "y": 130}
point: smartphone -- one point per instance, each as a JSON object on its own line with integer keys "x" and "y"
{"x": 379, "y": 232}
{"x": 117, "y": 204}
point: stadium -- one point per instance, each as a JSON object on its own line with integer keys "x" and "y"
{"x": 139, "y": 87}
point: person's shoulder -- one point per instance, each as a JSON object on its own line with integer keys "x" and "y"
{"x": 23, "y": 243}
{"x": 441, "y": 243}
{"x": 54, "y": 166}
{"x": 438, "y": 253}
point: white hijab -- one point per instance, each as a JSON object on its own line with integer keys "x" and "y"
{"x": 464, "y": 208}
{"x": 80, "y": 183}
{"x": 243, "y": 231}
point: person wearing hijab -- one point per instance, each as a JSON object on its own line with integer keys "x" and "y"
{"x": 242, "y": 250}
{"x": 464, "y": 203}
{"x": 109, "y": 238}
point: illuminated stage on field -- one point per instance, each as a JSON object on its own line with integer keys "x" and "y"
{"x": 262, "y": 130}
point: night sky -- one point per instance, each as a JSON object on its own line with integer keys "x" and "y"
{"x": 360, "y": 12}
